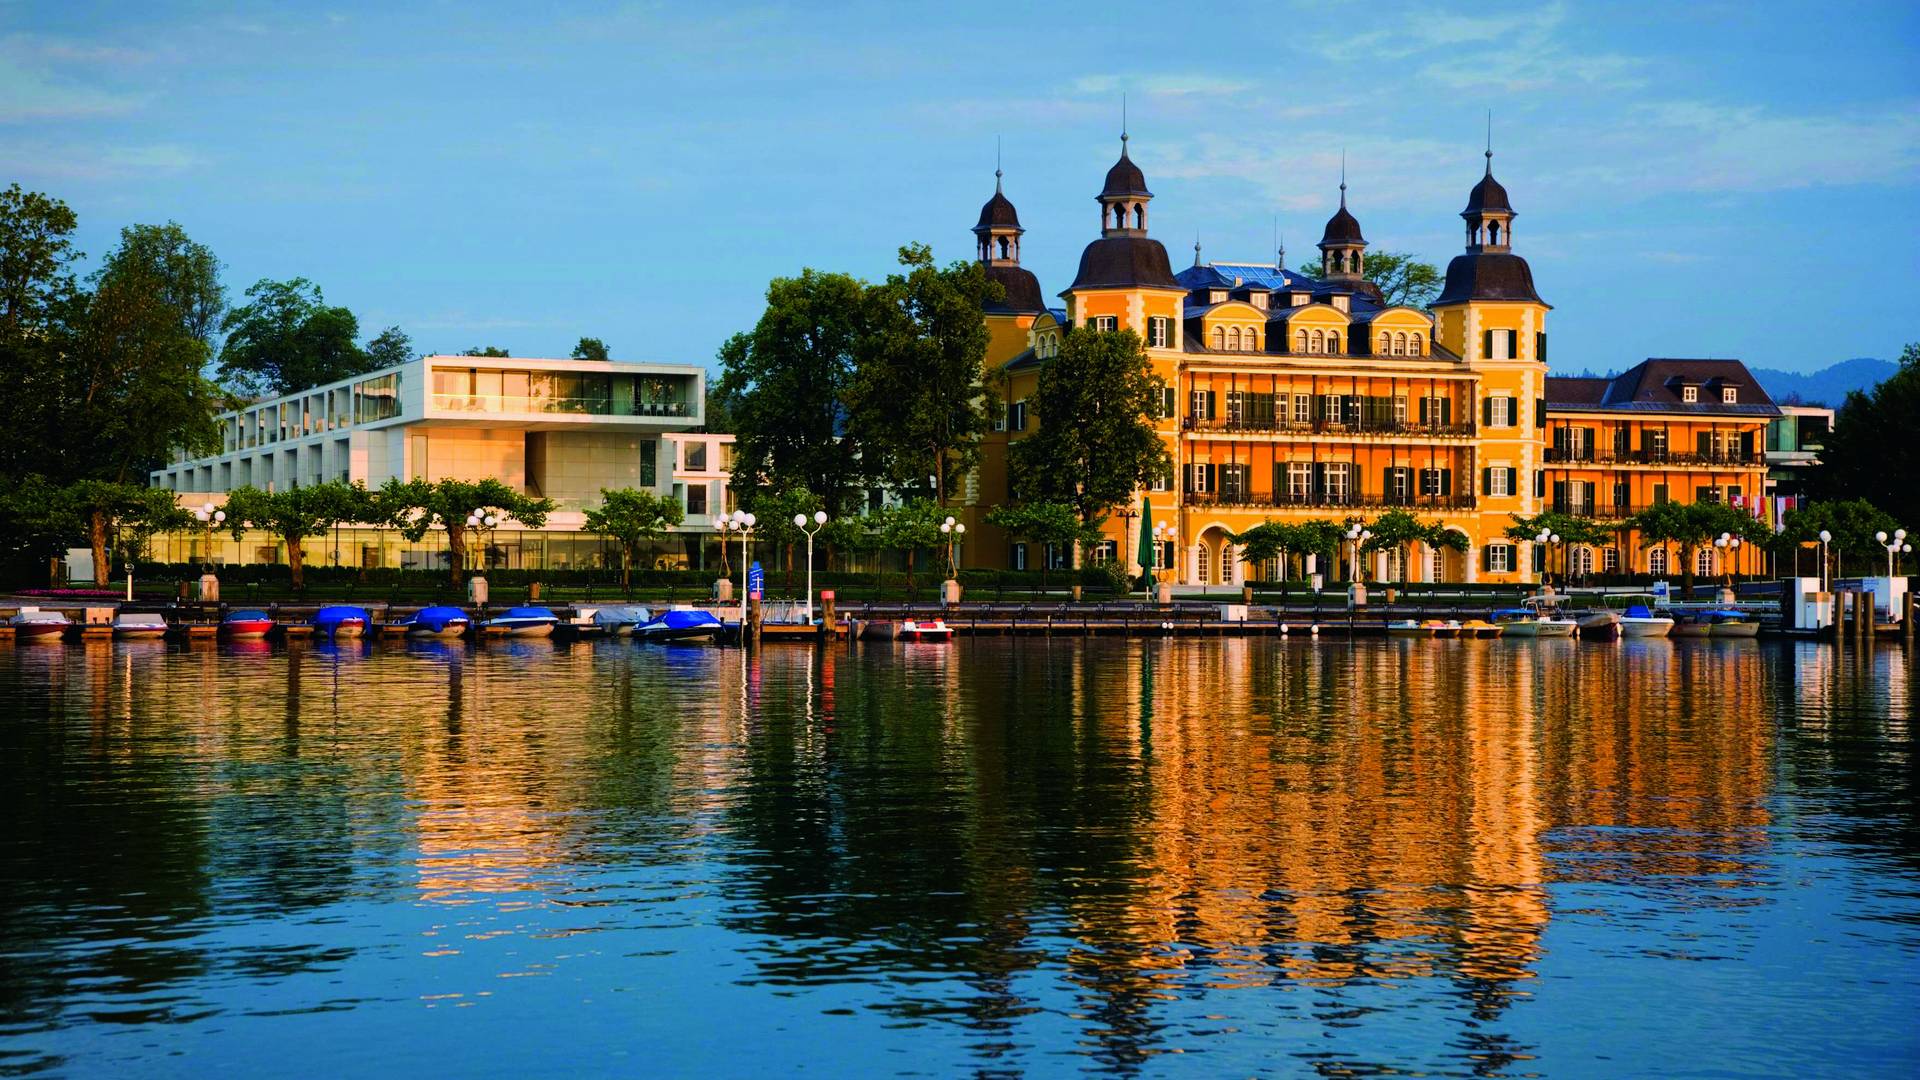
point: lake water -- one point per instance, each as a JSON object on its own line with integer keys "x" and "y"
{"x": 997, "y": 857}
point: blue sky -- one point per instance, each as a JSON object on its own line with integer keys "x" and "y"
{"x": 1701, "y": 179}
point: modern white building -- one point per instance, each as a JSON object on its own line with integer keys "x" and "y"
{"x": 559, "y": 429}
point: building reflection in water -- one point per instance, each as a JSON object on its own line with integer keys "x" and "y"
{"x": 1147, "y": 829}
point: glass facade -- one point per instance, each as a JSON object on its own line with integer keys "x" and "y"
{"x": 591, "y": 393}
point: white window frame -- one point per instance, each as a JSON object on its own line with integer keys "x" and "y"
{"x": 1017, "y": 415}
{"x": 1303, "y": 408}
{"x": 1689, "y": 394}
{"x": 1500, "y": 411}
{"x": 1499, "y": 558}
{"x": 1105, "y": 322}
{"x": 1497, "y": 485}
{"x": 1159, "y": 332}
{"x": 1729, "y": 396}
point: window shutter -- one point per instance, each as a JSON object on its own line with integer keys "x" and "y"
{"x": 1559, "y": 495}
{"x": 1423, "y": 411}
{"x": 1210, "y": 401}
{"x": 1213, "y": 477}
{"x": 1319, "y": 478}
{"x": 1540, "y": 346}
{"x": 1539, "y": 483}
{"x": 1589, "y": 442}
{"x": 1486, "y": 412}
{"x": 1486, "y": 557}
{"x": 1589, "y": 499}
{"x": 1446, "y": 481}
{"x": 1539, "y": 412}
{"x": 1486, "y": 344}
{"x": 1486, "y": 480}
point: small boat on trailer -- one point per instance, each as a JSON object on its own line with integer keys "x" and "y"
{"x": 32, "y": 624}
{"x": 523, "y": 622}
{"x": 926, "y": 630}
{"x": 139, "y": 626}
{"x": 338, "y": 621}
{"x": 246, "y": 625}
{"x": 679, "y": 624}
{"x": 437, "y": 622}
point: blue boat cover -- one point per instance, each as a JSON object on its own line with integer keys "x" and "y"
{"x": 438, "y": 617}
{"x": 528, "y": 613}
{"x": 339, "y": 613}
{"x": 684, "y": 620}
{"x": 248, "y": 615}
{"x": 1639, "y": 611}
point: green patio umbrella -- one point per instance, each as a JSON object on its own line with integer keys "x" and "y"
{"x": 1147, "y": 547}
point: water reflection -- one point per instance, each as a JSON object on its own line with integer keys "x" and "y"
{"x": 1359, "y": 855}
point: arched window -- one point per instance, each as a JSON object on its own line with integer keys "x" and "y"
{"x": 1439, "y": 564}
{"x": 1252, "y": 339}
{"x": 1657, "y": 561}
{"x": 1219, "y": 339}
{"x": 1233, "y": 339}
{"x": 1319, "y": 342}
{"x": 1333, "y": 342}
{"x": 1493, "y": 233}
{"x": 1300, "y": 341}
{"x": 1415, "y": 346}
{"x": 1203, "y": 562}
{"x": 1004, "y": 246}
{"x": 1400, "y": 345}
{"x": 1139, "y": 215}
{"x": 1703, "y": 562}
{"x": 1386, "y": 344}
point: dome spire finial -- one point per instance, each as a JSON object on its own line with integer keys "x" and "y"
{"x": 1123, "y": 124}
{"x": 996, "y": 165}
{"x": 1196, "y": 249}
{"x": 1343, "y": 178}
{"x": 1489, "y": 142}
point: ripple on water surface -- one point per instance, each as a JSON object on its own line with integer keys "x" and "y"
{"x": 1439, "y": 858}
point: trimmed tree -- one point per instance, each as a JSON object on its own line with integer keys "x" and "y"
{"x": 417, "y": 506}
{"x": 1570, "y": 529}
{"x": 1096, "y": 444}
{"x": 773, "y": 513}
{"x": 1691, "y": 526}
{"x": 1045, "y": 523}
{"x": 101, "y": 510}
{"x": 911, "y": 527}
{"x": 632, "y": 517}
{"x": 1852, "y": 523}
{"x": 1283, "y": 539}
{"x": 298, "y": 514}
{"x": 1398, "y": 530}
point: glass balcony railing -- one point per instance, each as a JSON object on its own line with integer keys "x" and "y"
{"x": 584, "y": 406}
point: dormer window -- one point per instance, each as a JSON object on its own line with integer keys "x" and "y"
{"x": 1689, "y": 394}
{"x": 1216, "y": 296}
{"x": 1729, "y": 396}
{"x": 1259, "y": 300}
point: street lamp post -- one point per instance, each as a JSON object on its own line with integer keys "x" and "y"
{"x": 1729, "y": 546}
{"x": 1825, "y": 539}
{"x": 1357, "y": 589}
{"x": 1894, "y": 547}
{"x": 953, "y": 531}
{"x": 1162, "y": 534}
{"x": 212, "y": 519}
{"x": 800, "y": 522}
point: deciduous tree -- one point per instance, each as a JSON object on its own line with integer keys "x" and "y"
{"x": 1401, "y": 278}
{"x": 287, "y": 338}
{"x": 786, "y": 384}
{"x": 1044, "y": 523}
{"x": 590, "y": 348}
{"x": 1690, "y": 526}
{"x": 918, "y": 403}
{"x": 1096, "y": 444}
{"x": 297, "y": 514}
{"x": 632, "y": 517}
{"x": 1398, "y": 530}
{"x": 1871, "y": 453}
{"x": 390, "y": 348}
{"x": 417, "y": 506}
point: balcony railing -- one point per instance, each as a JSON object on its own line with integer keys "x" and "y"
{"x": 1264, "y": 499}
{"x": 1590, "y": 456}
{"x": 587, "y": 406}
{"x": 1277, "y": 426}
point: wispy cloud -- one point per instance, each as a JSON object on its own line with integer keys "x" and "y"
{"x": 35, "y": 85}
{"x": 41, "y": 160}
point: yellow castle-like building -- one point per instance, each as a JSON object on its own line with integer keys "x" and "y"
{"x": 1292, "y": 398}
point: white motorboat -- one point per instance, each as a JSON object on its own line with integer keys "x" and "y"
{"x": 1536, "y": 620}
{"x": 32, "y": 624}
{"x": 138, "y": 626}
{"x": 1638, "y": 619}
{"x": 523, "y": 622}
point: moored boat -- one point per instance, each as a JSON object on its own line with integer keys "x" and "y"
{"x": 437, "y": 622}
{"x": 1409, "y": 628}
{"x": 523, "y": 622}
{"x": 1445, "y": 628}
{"x": 1637, "y": 617}
{"x": 32, "y": 624}
{"x": 620, "y": 619}
{"x": 1732, "y": 623}
{"x": 1534, "y": 621}
{"x": 341, "y": 621}
{"x": 926, "y": 630}
{"x": 246, "y": 624}
{"x": 679, "y": 624}
{"x": 1692, "y": 623}
{"x": 1597, "y": 624}
{"x": 1479, "y": 628}
{"x": 139, "y": 625}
